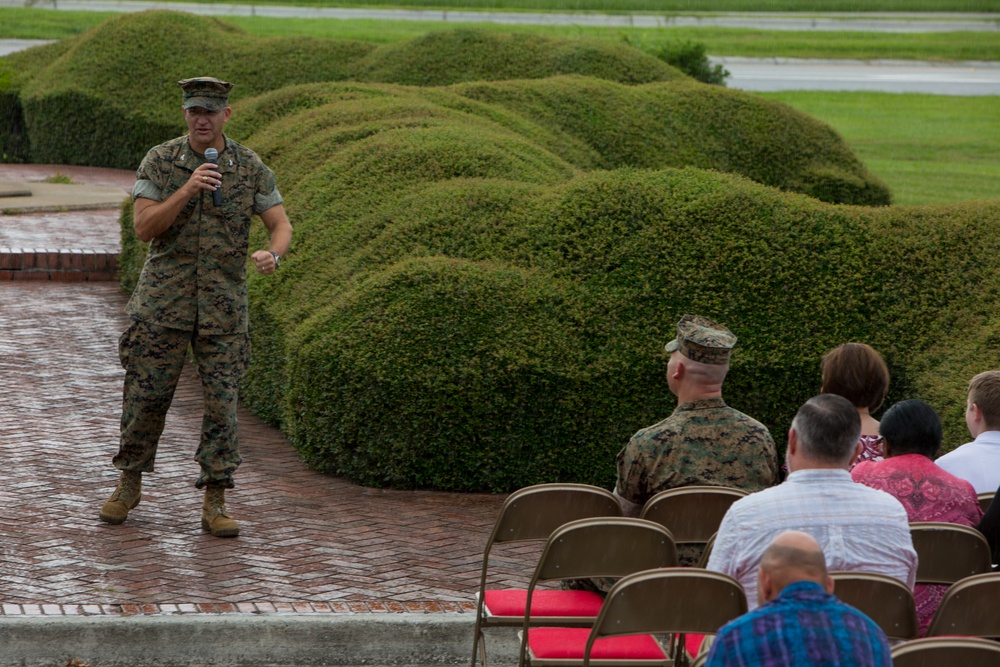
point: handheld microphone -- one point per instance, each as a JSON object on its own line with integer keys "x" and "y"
{"x": 212, "y": 156}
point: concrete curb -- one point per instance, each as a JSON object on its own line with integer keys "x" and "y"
{"x": 35, "y": 197}
{"x": 249, "y": 641}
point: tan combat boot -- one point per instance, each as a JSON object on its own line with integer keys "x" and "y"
{"x": 214, "y": 517}
{"x": 125, "y": 497}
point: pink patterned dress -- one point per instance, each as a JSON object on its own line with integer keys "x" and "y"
{"x": 871, "y": 448}
{"x": 929, "y": 493}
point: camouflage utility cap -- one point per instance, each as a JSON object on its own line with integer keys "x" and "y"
{"x": 206, "y": 92}
{"x": 702, "y": 340}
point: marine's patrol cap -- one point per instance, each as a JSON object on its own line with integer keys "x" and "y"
{"x": 206, "y": 92}
{"x": 702, "y": 340}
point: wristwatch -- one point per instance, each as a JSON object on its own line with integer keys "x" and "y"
{"x": 277, "y": 259}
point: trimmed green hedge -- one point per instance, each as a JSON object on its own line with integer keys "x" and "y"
{"x": 630, "y": 252}
{"x": 443, "y": 58}
{"x": 685, "y": 123}
{"x": 412, "y": 377}
{"x": 13, "y": 133}
{"x": 466, "y": 310}
{"x": 125, "y": 70}
{"x": 440, "y": 372}
{"x": 106, "y": 97}
{"x": 484, "y": 274}
{"x": 15, "y": 70}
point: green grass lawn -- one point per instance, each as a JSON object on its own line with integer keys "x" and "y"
{"x": 929, "y": 149}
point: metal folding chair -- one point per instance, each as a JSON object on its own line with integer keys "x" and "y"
{"x": 948, "y": 552}
{"x": 600, "y": 547}
{"x": 937, "y": 651}
{"x": 969, "y": 608}
{"x": 884, "y": 599}
{"x": 692, "y": 514}
{"x": 531, "y": 514}
{"x": 675, "y": 600}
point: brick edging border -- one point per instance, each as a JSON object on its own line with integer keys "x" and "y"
{"x": 256, "y": 608}
{"x": 58, "y": 265}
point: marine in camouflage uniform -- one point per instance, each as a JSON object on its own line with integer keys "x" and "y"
{"x": 703, "y": 442}
{"x": 192, "y": 292}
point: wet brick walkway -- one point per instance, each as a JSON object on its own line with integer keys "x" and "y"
{"x": 309, "y": 542}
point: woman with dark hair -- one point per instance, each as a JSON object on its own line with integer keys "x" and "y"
{"x": 858, "y": 373}
{"x": 911, "y": 433}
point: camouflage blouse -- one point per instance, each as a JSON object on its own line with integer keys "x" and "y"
{"x": 704, "y": 442}
{"x": 195, "y": 272}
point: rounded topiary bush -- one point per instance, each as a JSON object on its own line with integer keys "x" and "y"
{"x": 16, "y": 69}
{"x": 104, "y": 98}
{"x": 684, "y": 123}
{"x": 585, "y": 286}
{"x": 70, "y": 126}
{"x": 447, "y": 57}
{"x": 126, "y": 69}
{"x": 438, "y": 373}
{"x": 354, "y": 164}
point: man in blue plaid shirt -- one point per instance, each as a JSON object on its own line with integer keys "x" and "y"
{"x": 799, "y": 621}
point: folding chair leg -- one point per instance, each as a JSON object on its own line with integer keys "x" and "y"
{"x": 479, "y": 647}
{"x": 678, "y": 652}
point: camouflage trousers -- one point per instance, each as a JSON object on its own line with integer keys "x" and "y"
{"x": 153, "y": 358}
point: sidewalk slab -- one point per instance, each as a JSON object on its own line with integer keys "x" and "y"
{"x": 404, "y": 640}
{"x": 43, "y": 197}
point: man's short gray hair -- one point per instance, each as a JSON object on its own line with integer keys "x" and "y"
{"x": 828, "y": 427}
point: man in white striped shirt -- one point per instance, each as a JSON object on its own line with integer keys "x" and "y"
{"x": 859, "y": 528}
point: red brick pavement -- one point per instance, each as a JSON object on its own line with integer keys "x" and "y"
{"x": 52, "y": 244}
{"x": 309, "y": 542}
